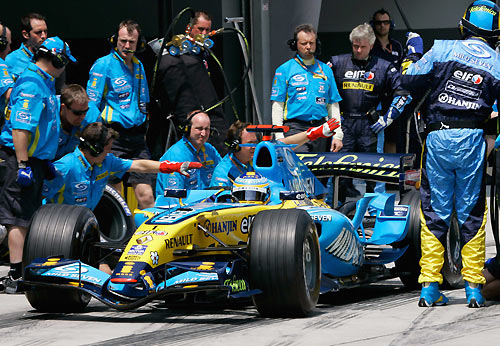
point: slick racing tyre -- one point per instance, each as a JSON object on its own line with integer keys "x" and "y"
{"x": 60, "y": 230}
{"x": 284, "y": 263}
{"x": 114, "y": 216}
{"x": 408, "y": 264}
{"x": 452, "y": 267}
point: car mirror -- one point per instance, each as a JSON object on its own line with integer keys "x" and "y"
{"x": 292, "y": 195}
{"x": 178, "y": 193}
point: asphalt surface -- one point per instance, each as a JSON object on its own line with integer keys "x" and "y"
{"x": 380, "y": 314}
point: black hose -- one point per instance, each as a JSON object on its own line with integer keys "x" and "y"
{"x": 164, "y": 44}
{"x": 403, "y": 15}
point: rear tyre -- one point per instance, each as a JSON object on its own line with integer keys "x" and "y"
{"x": 408, "y": 264}
{"x": 452, "y": 267}
{"x": 60, "y": 230}
{"x": 284, "y": 263}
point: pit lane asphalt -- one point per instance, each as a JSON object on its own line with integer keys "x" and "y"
{"x": 380, "y": 314}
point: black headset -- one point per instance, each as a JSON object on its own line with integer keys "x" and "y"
{"x": 59, "y": 60}
{"x": 97, "y": 148}
{"x": 3, "y": 38}
{"x": 141, "y": 43}
{"x": 186, "y": 127}
{"x": 392, "y": 25}
{"x": 234, "y": 144}
{"x": 292, "y": 43}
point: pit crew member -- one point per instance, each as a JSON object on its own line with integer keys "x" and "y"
{"x": 191, "y": 147}
{"x": 363, "y": 81}
{"x": 28, "y": 142}
{"x": 385, "y": 47}
{"x": 73, "y": 108}
{"x": 304, "y": 92}
{"x": 83, "y": 174}
{"x": 34, "y": 32}
{"x": 118, "y": 92}
{"x": 240, "y": 157}
{"x": 464, "y": 83}
{"x": 183, "y": 84}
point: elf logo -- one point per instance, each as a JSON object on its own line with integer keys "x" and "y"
{"x": 468, "y": 77}
{"x": 362, "y": 74}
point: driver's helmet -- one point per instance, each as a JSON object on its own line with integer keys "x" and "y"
{"x": 481, "y": 19}
{"x": 251, "y": 187}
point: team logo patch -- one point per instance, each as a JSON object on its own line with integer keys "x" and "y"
{"x": 23, "y": 117}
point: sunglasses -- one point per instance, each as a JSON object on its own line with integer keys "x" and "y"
{"x": 380, "y": 22}
{"x": 78, "y": 112}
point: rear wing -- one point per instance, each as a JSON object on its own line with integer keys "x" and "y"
{"x": 387, "y": 168}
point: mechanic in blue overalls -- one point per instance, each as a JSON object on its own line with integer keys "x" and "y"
{"x": 240, "y": 157}
{"x": 118, "y": 92}
{"x": 82, "y": 175}
{"x": 73, "y": 109}
{"x": 304, "y": 92}
{"x": 6, "y": 82}
{"x": 34, "y": 33}
{"x": 363, "y": 81}
{"x": 464, "y": 81}
{"x": 193, "y": 147}
{"x": 28, "y": 142}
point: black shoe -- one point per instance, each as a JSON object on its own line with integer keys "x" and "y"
{"x": 10, "y": 285}
{"x": 351, "y": 191}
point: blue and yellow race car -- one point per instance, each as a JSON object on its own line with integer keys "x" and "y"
{"x": 271, "y": 237}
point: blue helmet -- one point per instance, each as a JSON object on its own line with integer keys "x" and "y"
{"x": 481, "y": 19}
{"x": 251, "y": 187}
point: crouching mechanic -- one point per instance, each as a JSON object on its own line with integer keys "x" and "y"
{"x": 240, "y": 157}
{"x": 453, "y": 159}
{"x": 73, "y": 108}
{"x": 82, "y": 175}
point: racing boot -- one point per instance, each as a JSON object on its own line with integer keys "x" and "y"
{"x": 473, "y": 293}
{"x": 430, "y": 295}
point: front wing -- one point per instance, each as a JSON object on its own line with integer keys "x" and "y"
{"x": 190, "y": 277}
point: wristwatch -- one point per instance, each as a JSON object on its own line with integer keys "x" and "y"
{"x": 22, "y": 164}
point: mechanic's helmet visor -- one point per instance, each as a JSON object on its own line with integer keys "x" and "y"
{"x": 481, "y": 19}
{"x": 253, "y": 195}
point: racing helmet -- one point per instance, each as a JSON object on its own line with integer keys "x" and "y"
{"x": 251, "y": 187}
{"x": 481, "y": 19}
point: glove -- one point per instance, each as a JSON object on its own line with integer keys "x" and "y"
{"x": 24, "y": 176}
{"x": 324, "y": 131}
{"x": 382, "y": 123}
{"x": 178, "y": 167}
{"x": 50, "y": 170}
{"x": 414, "y": 43}
{"x": 497, "y": 142}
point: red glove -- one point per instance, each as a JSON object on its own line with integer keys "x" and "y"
{"x": 326, "y": 130}
{"x": 178, "y": 167}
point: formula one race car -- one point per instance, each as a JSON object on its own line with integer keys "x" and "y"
{"x": 215, "y": 244}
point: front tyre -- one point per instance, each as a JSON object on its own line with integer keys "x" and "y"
{"x": 60, "y": 230}
{"x": 284, "y": 263}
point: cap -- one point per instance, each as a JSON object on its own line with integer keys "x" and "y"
{"x": 57, "y": 46}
